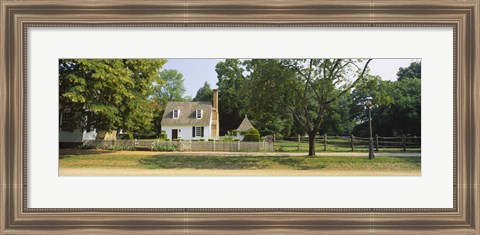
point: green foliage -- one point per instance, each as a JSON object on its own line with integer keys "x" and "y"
{"x": 101, "y": 135}
{"x": 233, "y": 93}
{"x": 126, "y": 136}
{"x": 163, "y": 135}
{"x": 109, "y": 94}
{"x": 205, "y": 93}
{"x": 397, "y": 113}
{"x": 414, "y": 70}
{"x": 173, "y": 87}
{"x": 164, "y": 147}
{"x": 252, "y": 135}
{"x": 210, "y": 140}
{"x": 170, "y": 87}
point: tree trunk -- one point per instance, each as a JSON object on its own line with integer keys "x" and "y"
{"x": 311, "y": 145}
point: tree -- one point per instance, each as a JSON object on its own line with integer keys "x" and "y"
{"x": 108, "y": 94}
{"x": 205, "y": 93}
{"x": 397, "y": 108}
{"x": 268, "y": 82}
{"x": 414, "y": 70}
{"x": 170, "y": 88}
{"x": 318, "y": 83}
{"x": 233, "y": 93}
{"x": 173, "y": 87}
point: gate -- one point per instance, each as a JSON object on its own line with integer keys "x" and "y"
{"x": 185, "y": 145}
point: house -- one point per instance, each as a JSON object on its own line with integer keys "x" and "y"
{"x": 72, "y": 138}
{"x": 244, "y": 126}
{"x": 192, "y": 120}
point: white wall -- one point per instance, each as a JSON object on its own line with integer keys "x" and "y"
{"x": 76, "y": 136}
{"x": 185, "y": 132}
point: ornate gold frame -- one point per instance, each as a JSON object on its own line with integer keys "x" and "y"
{"x": 17, "y": 16}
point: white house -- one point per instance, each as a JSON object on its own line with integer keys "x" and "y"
{"x": 192, "y": 120}
{"x": 72, "y": 138}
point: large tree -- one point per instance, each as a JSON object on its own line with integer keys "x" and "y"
{"x": 319, "y": 83}
{"x": 205, "y": 93}
{"x": 108, "y": 94}
{"x": 172, "y": 88}
{"x": 233, "y": 93}
{"x": 414, "y": 70}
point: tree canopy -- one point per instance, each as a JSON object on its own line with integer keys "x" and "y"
{"x": 313, "y": 96}
{"x": 108, "y": 94}
{"x": 205, "y": 93}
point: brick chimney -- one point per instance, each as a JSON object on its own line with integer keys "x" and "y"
{"x": 215, "y": 132}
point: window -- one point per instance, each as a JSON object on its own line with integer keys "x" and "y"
{"x": 176, "y": 113}
{"x": 199, "y": 113}
{"x": 197, "y": 131}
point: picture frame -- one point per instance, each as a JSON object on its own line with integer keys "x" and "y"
{"x": 17, "y": 16}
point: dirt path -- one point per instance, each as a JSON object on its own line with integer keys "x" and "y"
{"x": 210, "y": 172}
{"x": 197, "y": 153}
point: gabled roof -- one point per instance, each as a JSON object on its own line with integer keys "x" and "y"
{"x": 245, "y": 125}
{"x": 187, "y": 113}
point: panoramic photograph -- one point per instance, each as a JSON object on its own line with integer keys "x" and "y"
{"x": 240, "y": 117}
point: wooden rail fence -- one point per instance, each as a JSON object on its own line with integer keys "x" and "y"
{"x": 353, "y": 143}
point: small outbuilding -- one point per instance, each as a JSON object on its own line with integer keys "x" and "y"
{"x": 244, "y": 126}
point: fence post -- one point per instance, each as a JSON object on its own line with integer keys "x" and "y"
{"x": 298, "y": 142}
{"x": 214, "y": 145}
{"x": 404, "y": 144}
{"x": 376, "y": 141}
{"x": 325, "y": 142}
{"x": 238, "y": 145}
{"x": 351, "y": 141}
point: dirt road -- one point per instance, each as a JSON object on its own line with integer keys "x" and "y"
{"x": 211, "y": 172}
{"x": 197, "y": 153}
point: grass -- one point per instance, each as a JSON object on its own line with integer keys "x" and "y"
{"x": 239, "y": 162}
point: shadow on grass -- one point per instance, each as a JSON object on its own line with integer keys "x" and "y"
{"x": 222, "y": 162}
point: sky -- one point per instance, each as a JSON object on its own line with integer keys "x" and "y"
{"x": 198, "y": 71}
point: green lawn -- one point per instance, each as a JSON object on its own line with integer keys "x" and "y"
{"x": 239, "y": 162}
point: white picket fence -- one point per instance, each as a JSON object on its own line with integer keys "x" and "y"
{"x": 183, "y": 145}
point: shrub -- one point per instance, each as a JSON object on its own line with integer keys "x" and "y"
{"x": 210, "y": 139}
{"x": 164, "y": 147}
{"x": 201, "y": 140}
{"x": 252, "y": 135}
{"x": 163, "y": 135}
{"x": 101, "y": 135}
{"x": 147, "y": 135}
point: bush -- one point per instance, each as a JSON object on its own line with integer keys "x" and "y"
{"x": 252, "y": 135}
{"x": 125, "y": 136}
{"x": 164, "y": 147}
{"x": 201, "y": 140}
{"x": 163, "y": 135}
{"x": 101, "y": 135}
{"x": 147, "y": 135}
{"x": 210, "y": 139}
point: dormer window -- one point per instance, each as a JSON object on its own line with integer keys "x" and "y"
{"x": 198, "y": 113}
{"x": 176, "y": 113}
